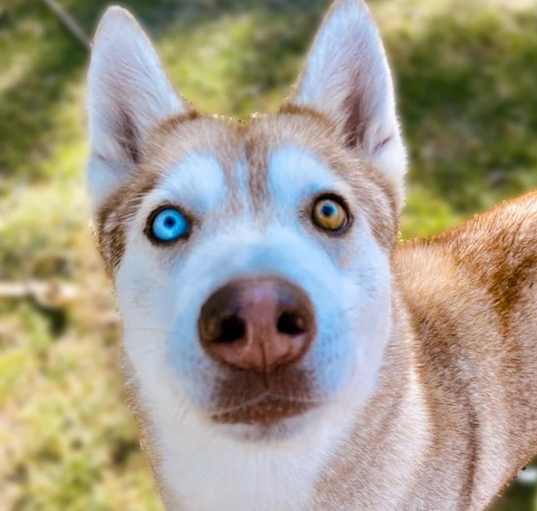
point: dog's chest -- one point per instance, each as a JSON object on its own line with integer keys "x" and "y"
{"x": 220, "y": 479}
{"x": 207, "y": 471}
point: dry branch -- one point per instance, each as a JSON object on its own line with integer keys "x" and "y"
{"x": 47, "y": 294}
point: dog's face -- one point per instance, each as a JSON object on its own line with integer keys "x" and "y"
{"x": 251, "y": 260}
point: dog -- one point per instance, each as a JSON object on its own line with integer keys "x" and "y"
{"x": 283, "y": 351}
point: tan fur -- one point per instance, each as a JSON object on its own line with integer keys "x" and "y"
{"x": 476, "y": 329}
{"x": 467, "y": 332}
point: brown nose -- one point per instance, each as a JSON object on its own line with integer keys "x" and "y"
{"x": 258, "y": 324}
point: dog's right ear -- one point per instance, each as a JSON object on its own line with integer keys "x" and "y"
{"x": 128, "y": 94}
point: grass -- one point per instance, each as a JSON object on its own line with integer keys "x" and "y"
{"x": 466, "y": 73}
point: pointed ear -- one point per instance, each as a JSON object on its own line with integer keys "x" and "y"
{"x": 347, "y": 77}
{"x": 128, "y": 94}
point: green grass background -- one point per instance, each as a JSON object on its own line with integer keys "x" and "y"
{"x": 467, "y": 78}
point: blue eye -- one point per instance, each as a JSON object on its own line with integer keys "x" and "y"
{"x": 170, "y": 225}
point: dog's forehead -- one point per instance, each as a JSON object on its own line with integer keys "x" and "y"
{"x": 267, "y": 154}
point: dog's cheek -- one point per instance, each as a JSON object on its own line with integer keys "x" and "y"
{"x": 355, "y": 321}
{"x": 372, "y": 317}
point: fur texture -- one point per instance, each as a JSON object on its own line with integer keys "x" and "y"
{"x": 420, "y": 380}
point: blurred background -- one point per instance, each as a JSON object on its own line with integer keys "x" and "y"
{"x": 467, "y": 79}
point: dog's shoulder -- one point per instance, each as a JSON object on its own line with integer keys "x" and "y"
{"x": 472, "y": 292}
{"x": 495, "y": 251}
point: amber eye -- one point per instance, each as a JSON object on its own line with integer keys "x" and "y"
{"x": 330, "y": 214}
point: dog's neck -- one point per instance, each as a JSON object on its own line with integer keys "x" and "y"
{"x": 450, "y": 424}
{"x": 421, "y": 443}
{"x": 374, "y": 467}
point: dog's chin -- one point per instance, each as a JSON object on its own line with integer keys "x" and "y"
{"x": 264, "y": 433}
{"x": 268, "y": 420}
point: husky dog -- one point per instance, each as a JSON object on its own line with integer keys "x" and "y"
{"x": 283, "y": 350}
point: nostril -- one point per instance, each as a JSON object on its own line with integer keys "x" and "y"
{"x": 291, "y": 323}
{"x": 232, "y": 329}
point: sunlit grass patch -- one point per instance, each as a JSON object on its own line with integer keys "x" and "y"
{"x": 67, "y": 431}
{"x": 239, "y": 62}
{"x": 39, "y": 228}
{"x": 470, "y": 122}
{"x": 426, "y": 214}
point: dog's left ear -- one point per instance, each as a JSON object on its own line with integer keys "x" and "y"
{"x": 347, "y": 77}
{"x": 128, "y": 95}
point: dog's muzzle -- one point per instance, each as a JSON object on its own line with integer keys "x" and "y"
{"x": 259, "y": 330}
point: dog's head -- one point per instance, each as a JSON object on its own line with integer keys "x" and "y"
{"x": 251, "y": 260}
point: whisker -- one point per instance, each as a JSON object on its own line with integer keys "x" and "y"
{"x": 181, "y": 410}
{"x": 298, "y": 399}
{"x": 148, "y": 329}
{"x": 253, "y": 401}
{"x": 144, "y": 350}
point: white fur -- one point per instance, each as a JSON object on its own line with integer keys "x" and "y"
{"x": 205, "y": 466}
{"x": 348, "y": 60}
{"x": 296, "y": 175}
{"x": 198, "y": 181}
